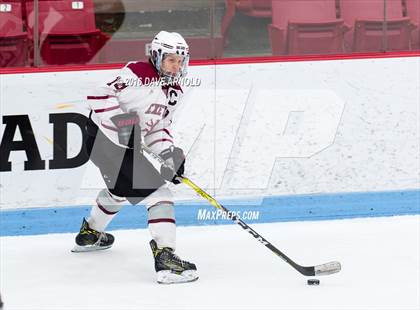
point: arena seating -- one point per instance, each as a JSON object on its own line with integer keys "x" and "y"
{"x": 67, "y": 31}
{"x": 123, "y": 50}
{"x": 368, "y": 27}
{"x": 413, "y": 12}
{"x": 306, "y": 27}
{"x": 191, "y": 18}
{"x": 255, "y": 8}
{"x": 13, "y": 38}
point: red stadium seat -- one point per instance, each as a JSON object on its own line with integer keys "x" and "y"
{"x": 67, "y": 31}
{"x": 123, "y": 50}
{"x": 13, "y": 40}
{"x": 306, "y": 27}
{"x": 367, "y": 19}
{"x": 255, "y": 8}
{"x": 413, "y": 12}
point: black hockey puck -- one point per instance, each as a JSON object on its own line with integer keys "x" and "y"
{"x": 313, "y": 282}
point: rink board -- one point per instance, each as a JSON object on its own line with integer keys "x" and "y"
{"x": 260, "y": 129}
{"x": 322, "y": 140}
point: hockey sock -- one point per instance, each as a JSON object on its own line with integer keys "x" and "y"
{"x": 161, "y": 222}
{"x": 107, "y": 206}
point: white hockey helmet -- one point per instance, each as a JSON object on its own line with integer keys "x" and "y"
{"x": 169, "y": 43}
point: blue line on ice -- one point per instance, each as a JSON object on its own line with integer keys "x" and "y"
{"x": 37, "y": 221}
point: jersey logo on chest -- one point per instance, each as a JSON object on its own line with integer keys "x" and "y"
{"x": 157, "y": 109}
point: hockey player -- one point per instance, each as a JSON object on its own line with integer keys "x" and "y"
{"x": 137, "y": 107}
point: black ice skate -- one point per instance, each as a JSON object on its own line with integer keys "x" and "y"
{"x": 170, "y": 268}
{"x": 89, "y": 239}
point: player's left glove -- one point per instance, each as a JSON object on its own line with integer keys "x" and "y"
{"x": 174, "y": 164}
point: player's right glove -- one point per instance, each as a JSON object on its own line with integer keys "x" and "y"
{"x": 128, "y": 127}
{"x": 174, "y": 164}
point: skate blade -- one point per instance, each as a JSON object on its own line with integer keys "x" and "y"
{"x": 168, "y": 277}
{"x": 89, "y": 248}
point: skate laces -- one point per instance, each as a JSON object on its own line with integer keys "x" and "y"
{"x": 87, "y": 230}
{"x": 168, "y": 252}
{"x": 103, "y": 237}
{"x": 176, "y": 257}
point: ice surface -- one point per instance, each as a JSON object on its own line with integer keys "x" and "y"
{"x": 380, "y": 259}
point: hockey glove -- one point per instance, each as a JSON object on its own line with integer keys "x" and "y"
{"x": 128, "y": 127}
{"x": 174, "y": 164}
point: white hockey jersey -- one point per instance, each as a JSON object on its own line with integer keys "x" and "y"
{"x": 136, "y": 88}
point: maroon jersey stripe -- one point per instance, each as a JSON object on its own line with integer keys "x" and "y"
{"x": 156, "y": 131}
{"x": 109, "y": 127}
{"x": 107, "y": 109}
{"x": 160, "y": 140}
{"x": 100, "y": 97}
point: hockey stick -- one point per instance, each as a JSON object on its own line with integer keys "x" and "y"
{"x": 318, "y": 270}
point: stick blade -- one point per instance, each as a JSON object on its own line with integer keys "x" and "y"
{"x": 327, "y": 268}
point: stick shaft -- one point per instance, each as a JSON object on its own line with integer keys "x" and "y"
{"x": 246, "y": 227}
{"x": 324, "y": 269}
